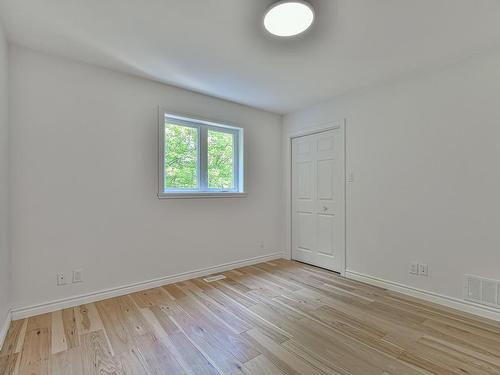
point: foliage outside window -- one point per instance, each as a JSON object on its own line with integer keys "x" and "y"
{"x": 199, "y": 157}
{"x": 181, "y": 157}
{"x": 220, "y": 160}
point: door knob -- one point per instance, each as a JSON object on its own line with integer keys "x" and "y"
{"x": 325, "y": 208}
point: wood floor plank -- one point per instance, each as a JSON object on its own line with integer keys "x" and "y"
{"x": 115, "y": 326}
{"x": 36, "y": 350}
{"x": 70, "y": 328}
{"x": 461, "y": 350}
{"x": 188, "y": 354}
{"x": 88, "y": 319}
{"x": 445, "y": 311}
{"x": 96, "y": 355}
{"x": 228, "y": 288}
{"x": 483, "y": 342}
{"x": 189, "y": 357}
{"x": 233, "y": 281}
{"x": 174, "y": 291}
{"x": 276, "y": 318}
{"x": 134, "y": 322}
{"x": 150, "y": 297}
{"x": 249, "y": 316}
{"x": 9, "y": 364}
{"x": 367, "y": 352}
{"x": 261, "y": 366}
{"x": 218, "y": 311}
{"x": 216, "y": 352}
{"x": 235, "y": 344}
{"x": 59, "y": 343}
{"x": 279, "y": 355}
{"x": 203, "y": 285}
{"x": 22, "y": 335}
{"x": 15, "y": 337}
{"x": 155, "y": 326}
{"x": 129, "y": 363}
{"x": 325, "y": 366}
{"x": 274, "y": 274}
{"x": 164, "y": 320}
{"x": 155, "y": 356}
{"x": 453, "y": 359}
{"x": 68, "y": 362}
{"x": 319, "y": 346}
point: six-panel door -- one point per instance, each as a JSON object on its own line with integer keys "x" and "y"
{"x": 318, "y": 199}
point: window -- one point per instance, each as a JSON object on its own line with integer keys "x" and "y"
{"x": 199, "y": 158}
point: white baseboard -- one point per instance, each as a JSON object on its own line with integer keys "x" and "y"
{"x": 455, "y": 303}
{"x": 4, "y": 328}
{"x": 26, "y": 312}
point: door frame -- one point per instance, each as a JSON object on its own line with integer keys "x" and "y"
{"x": 289, "y": 214}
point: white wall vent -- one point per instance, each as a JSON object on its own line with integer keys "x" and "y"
{"x": 480, "y": 290}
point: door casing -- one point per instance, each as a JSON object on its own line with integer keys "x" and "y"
{"x": 315, "y": 130}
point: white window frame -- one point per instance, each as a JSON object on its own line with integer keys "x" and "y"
{"x": 203, "y": 127}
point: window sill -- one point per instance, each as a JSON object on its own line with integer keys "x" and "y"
{"x": 201, "y": 195}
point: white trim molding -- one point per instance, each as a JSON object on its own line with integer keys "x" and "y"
{"x": 454, "y": 303}
{"x": 202, "y": 195}
{"x": 319, "y": 129}
{"x": 4, "y": 328}
{"x": 42, "y": 308}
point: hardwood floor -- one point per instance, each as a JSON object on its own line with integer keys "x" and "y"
{"x": 278, "y": 317}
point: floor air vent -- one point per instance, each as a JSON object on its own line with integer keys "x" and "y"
{"x": 483, "y": 291}
{"x": 214, "y": 278}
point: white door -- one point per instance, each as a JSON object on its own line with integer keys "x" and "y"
{"x": 318, "y": 199}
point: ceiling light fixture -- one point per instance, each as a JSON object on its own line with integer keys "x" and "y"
{"x": 289, "y": 17}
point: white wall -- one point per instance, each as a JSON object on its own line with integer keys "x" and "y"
{"x": 4, "y": 175}
{"x": 425, "y": 153}
{"x": 84, "y": 182}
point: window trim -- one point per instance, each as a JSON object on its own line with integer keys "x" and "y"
{"x": 203, "y": 126}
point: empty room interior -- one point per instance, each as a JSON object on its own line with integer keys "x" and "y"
{"x": 258, "y": 187}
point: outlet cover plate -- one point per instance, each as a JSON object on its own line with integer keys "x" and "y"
{"x": 77, "y": 276}
{"x": 414, "y": 268}
{"x": 423, "y": 270}
{"x": 61, "y": 279}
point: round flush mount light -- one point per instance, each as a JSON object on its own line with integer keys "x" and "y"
{"x": 289, "y": 17}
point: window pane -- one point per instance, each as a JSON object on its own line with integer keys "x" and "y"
{"x": 181, "y": 157}
{"x": 220, "y": 160}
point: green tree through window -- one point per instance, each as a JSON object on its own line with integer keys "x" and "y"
{"x": 200, "y": 157}
{"x": 181, "y": 157}
{"x": 220, "y": 160}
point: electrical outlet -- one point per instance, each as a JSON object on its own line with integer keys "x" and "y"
{"x": 77, "y": 276}
{"x": 414, "y": 268}
{"x": 423, "y": 270}
{"x": 61, "y": 279}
